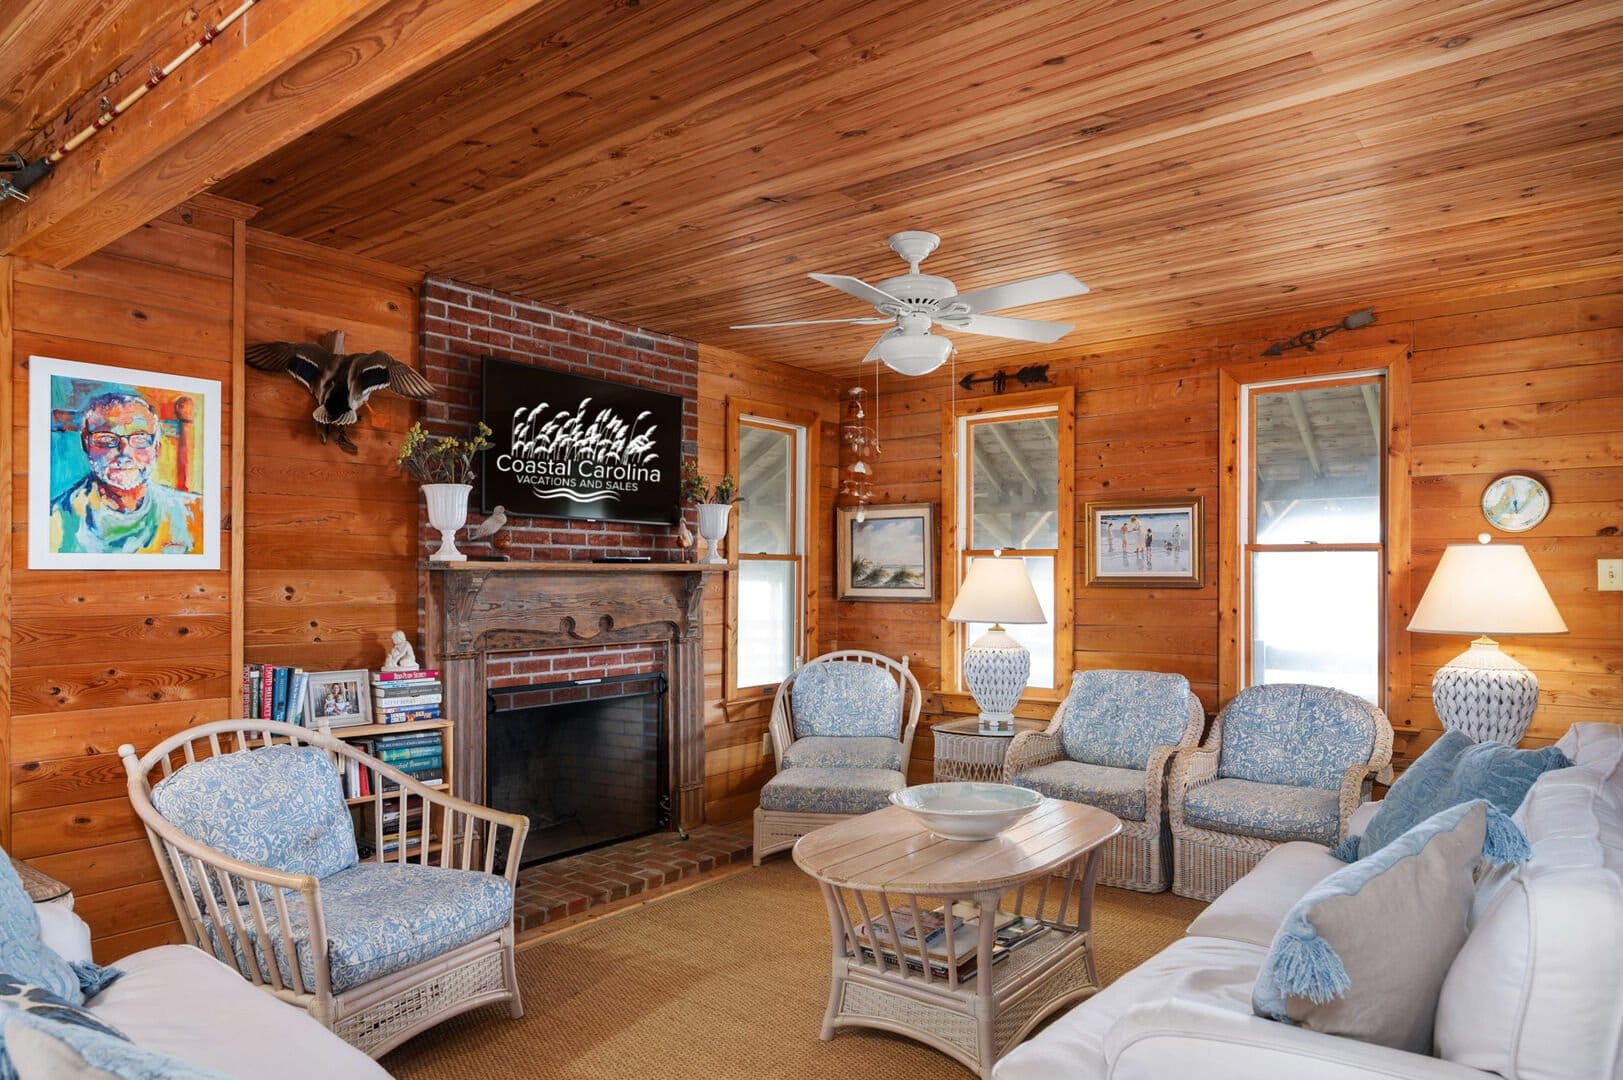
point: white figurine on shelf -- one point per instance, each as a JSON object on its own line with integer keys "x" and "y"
{"x": 402, "y": 657}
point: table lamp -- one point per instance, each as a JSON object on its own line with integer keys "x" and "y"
{"x": 996, "y": 667}
{"x": 1485, "y": 588}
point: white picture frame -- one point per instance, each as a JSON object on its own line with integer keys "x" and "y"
{"x": 338, "y": 699}
{"x": 173, "y": 520}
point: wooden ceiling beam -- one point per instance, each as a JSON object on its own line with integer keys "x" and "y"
{"x": 53, "y": 51}
{"x": 254, "y": 90}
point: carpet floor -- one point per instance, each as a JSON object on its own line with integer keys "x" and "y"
{"x": 727, "y": 981}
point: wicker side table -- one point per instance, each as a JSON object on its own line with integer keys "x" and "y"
{"x": 964, "y": 752}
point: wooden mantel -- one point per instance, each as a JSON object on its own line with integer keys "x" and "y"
{"x": 475, "y": 609}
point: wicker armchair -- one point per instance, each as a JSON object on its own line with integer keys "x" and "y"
{"x": 1108, "y": 746}
{"x": 842, "y": 733}
{"x": 257, "y": 848}
{"x": 1282, "y": 762}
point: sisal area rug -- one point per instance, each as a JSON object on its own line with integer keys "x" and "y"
{"x": 727, "y": 981}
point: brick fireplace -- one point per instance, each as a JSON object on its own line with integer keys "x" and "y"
{"x": 479, "y": 615}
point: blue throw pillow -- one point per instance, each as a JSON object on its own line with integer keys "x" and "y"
{"x": 1364, "y": 953}
{"x": 22, "y": 952}
{"x": 1453, "y": 770}
{"x": 43, "y": 1046}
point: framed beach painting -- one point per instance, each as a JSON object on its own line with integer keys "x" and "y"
{"x": 887, "y": 552}
{"x": 1145, "y": 542}
{"x": 124, "y": 468}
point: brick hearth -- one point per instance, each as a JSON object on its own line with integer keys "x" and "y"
{"x": 567, "y": 888}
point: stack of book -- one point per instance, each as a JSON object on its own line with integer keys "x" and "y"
{"x": 419, "y": 754}
{"x": 400, "y": 697}
{"x": 273, "y": 693}
{"x": 1011, "y": 931}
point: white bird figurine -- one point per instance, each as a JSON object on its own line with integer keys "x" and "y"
{"x": 490, "y": 526}
{"x": 684, "y": 535}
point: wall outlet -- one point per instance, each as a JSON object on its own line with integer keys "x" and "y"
{"x": 1610, "y": 573}
{"x": 766, "y": 743}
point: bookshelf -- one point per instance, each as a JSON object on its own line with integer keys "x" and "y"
{"x": 402, "y": 727}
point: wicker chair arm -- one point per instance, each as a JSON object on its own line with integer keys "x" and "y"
{"x": 1030, "y": 749}
{"x": 780, "y": 725}
{"x": 1355, "y": 782}
{"x": 1191, "y": 767}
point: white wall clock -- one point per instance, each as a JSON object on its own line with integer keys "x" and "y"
{"x": 1515, "y": 503}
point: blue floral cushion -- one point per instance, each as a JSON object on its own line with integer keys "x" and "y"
{"x": 831, "y": 791}
{"x": 1364, "y": 953}
{"x": 1291, "y": 733}
{"x": 1269, "y": 811}
{"x": 1118, "y": 718}
{"x": 845, "y": 697}
{"x": 279, "y": 807}
{"x": 385, "y": 917}
{"x": 46, "y": 1046}
{"x": 1453, "y": 770}
{"x": 843, "y": 752}
{"x": 18, "y": 995}
{"x": 1119, "y": 791}
{"x": 22, "y": 952}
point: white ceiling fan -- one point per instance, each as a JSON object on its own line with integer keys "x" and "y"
{"x": 914, "y": 302}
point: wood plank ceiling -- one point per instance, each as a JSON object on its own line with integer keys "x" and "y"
{"x": 682, "y": 166}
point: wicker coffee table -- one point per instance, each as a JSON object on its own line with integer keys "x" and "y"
{"x": 882, "y": 874}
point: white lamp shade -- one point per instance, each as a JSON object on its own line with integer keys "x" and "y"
{"x": 914, "y": 354}
{"x": 1486, "y": 589}
{"x": 997, "y": 590}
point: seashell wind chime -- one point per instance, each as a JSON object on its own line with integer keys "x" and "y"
{"x": 859, "y": 447}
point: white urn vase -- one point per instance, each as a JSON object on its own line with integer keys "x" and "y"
{"x": 713, "y": 527}
{"x": 447, "y": 512}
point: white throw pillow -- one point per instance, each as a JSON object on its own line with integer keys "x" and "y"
{"x": 1534, "y": 992}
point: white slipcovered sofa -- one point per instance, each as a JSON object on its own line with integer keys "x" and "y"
{"x": 1535, "y": 994}
{"x": 180, "y": 1001}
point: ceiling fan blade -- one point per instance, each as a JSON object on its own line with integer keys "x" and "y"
{"x": 1004, "y": 327}
{"x": 857, "y": 288}
{"x": 870, "y": 320}
{"x": 1019, "y": 293}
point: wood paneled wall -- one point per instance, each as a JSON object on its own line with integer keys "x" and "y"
{"x": 736, "y": 765}
{"x": 326, "y": 568}
{"x": 1523, "y": 375}
{"x": 102, "y": 658}
{"x": 331, "y": 538}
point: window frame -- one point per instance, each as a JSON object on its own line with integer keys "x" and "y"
{"x": 957, "y": 419}
{"x": 802, "y": 425}
{"x": 1236, "y": 526}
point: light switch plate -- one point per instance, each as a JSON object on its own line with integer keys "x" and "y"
{"x": 1610, "y": 573}
{"x": 766, "y": 743}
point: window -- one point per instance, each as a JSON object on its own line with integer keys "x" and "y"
{"x": 1310, "y": 523}
{"x": 769, "y": 459}
{"x": 1011, "y": 492}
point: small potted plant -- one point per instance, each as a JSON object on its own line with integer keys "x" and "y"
{"x": 715, "y": 506}
{"x": 443, "y": 465}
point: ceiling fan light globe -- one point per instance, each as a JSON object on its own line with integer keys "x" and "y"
{"x": 914, "y": 354}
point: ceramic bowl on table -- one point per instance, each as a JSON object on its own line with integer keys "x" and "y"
{"x": 967, "y": 811}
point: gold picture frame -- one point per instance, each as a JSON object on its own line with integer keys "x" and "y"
{"x": 1142, "y": 543}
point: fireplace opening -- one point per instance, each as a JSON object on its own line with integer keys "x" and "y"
{"x": 583, "y": 760}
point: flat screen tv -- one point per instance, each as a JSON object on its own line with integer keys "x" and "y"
{"x": 571, "y": 447}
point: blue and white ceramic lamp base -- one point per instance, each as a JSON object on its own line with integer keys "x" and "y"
{"x": 996, "y": 670}
{"x": 1485, "y": 694}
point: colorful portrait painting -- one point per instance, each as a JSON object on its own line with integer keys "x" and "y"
{"x": 124, "y": 468}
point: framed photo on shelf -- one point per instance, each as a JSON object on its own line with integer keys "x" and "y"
{"x": 1146, "y": 542}
{"x": 335, "y": 699}
{"x": 888, "y": 553}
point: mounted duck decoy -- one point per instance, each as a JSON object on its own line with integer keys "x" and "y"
{"x": 340, "y": 382}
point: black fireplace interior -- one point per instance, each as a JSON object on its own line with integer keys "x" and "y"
{"x": 583, "y": 760}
